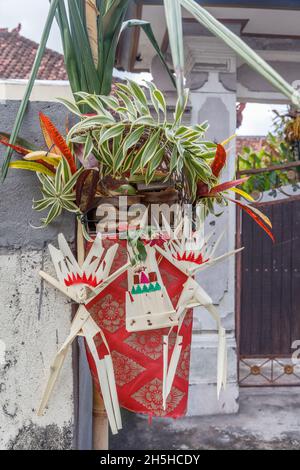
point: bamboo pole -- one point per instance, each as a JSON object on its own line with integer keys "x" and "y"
{"x": 80, "y": 245}
{"x": 100, "y": 421}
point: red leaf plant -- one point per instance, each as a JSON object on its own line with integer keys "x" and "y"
{"x": 203, "y": 191}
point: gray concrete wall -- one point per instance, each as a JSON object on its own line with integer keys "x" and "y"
{"x": 35, "y": 319}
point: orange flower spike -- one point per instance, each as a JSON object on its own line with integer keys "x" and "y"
{"x": 58, "y": 140}
{"x": 48, "y": 140}
{"x": 216, "y": 168}
{"x": 219, "y": 161}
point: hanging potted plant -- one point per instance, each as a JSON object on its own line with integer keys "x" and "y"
{"x": 138, "y": 152}
{"x": 125, "y": 149}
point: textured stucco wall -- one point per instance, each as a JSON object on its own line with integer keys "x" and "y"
{"x": 35, "y": 319}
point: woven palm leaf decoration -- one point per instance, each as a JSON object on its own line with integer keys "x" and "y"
{"x": 82, "y": 283}
{"x": 191, "y": 256}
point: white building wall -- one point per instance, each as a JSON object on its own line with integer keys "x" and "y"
{"x": 214, "y": 103}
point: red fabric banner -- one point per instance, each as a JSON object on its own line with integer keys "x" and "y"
{"x": 138, "y": 356}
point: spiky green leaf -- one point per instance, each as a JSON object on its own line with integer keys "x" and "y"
{"x": 150, "y": 149}
{"x": 54, "y": 212}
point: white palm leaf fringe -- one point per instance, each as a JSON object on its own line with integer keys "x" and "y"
{"x": 193, "y": 295}
{"x": 231, "y": 39}
{"x": 91, "y": 18}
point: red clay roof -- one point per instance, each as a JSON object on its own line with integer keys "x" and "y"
{"x": 17, "y": 55}
{"x": 255, "y": 142}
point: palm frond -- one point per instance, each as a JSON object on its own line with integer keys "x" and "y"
{"x": 111, "y": 27}
{"x": 146, "y": 27}
{"x": 72, "y": 61}
{"x": 30, "y": 83}
{"x": 238, "y": 45}
{"x": 83, "y": 50}
{"x": 174, "y": 25}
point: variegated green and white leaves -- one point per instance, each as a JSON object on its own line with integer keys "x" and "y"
{"x": 131, "y": 135}
{"x": 58, "y": 192}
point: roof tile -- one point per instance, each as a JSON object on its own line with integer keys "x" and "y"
{"x": 17, "y": 55}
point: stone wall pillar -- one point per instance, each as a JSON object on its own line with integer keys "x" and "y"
{"x": 211, "y": 100}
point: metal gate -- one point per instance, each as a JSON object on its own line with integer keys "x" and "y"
{"x": 268, "y": 296}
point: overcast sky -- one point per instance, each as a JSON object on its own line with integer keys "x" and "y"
{"x": 32, "y": 15}
{"x": 257, "y": 118}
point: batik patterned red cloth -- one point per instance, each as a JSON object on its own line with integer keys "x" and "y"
{"x": 138, "y": 357}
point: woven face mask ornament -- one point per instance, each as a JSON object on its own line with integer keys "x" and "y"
{"x": 82, "y": 284}
{"x": 148, "y": 306}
